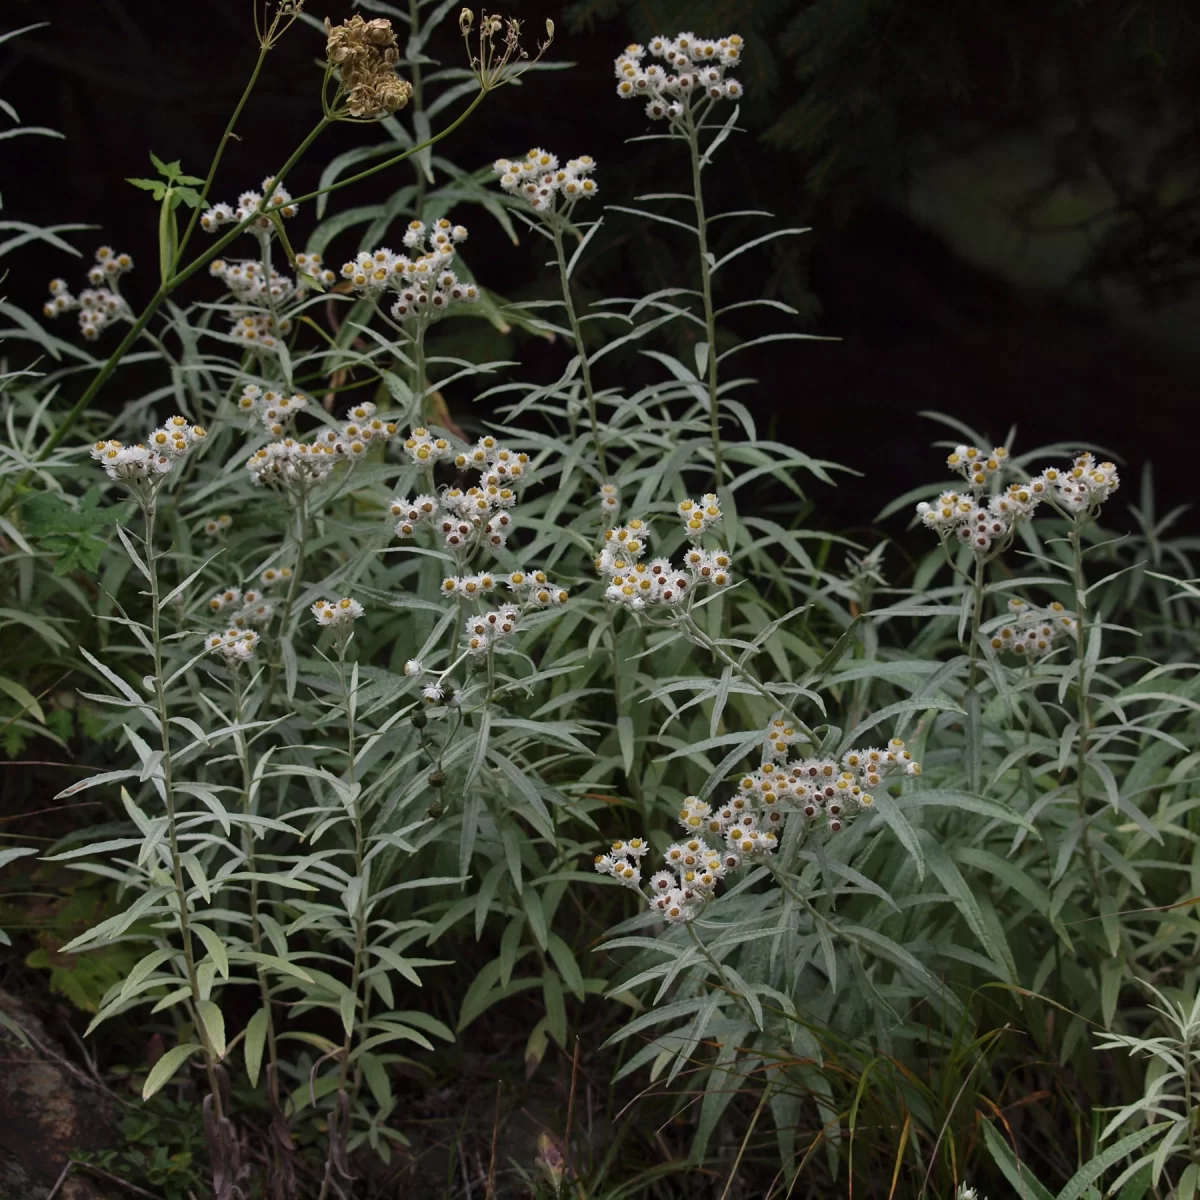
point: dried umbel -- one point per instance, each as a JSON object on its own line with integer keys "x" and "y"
{"x": 365, "y": 54}
{"x": 498, "y": 64}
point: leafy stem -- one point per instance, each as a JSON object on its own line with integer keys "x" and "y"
{"x": 181, "y": 898}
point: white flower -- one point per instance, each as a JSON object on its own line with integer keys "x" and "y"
{"x": 413, "y": 667}
{"x": 432, "y": 693}
{"x": 337, "y": 613}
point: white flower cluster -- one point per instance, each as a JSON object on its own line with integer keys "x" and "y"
{"x": 540, "y": 180}
{"x": 532, "y": 589}
{"x": 465, "y": 518}
{"x": 309, "y": 266}
{"x": 636, "y": 584}
{"x": 234, "y": 645}
{"x": 292, "y": 463}
{"x": 259, "y": 317}
{"x": 252, "y": 609}
{"x": 980, "y": 522}
{"x": 99, "y": 305}
{"x": 249, "y": 203}
{"x": 217, "y": 525}
{"x": 609, "y": 496}
{"x": 426, "y": 283}
{"x": 695, "y": 70}
{"x": 751, "y": 823}
{"x": 308, "y": 463}
{"x": 167, "y": 447}
{"x": 274, "y": 409}
{"x": 1032, "y": 631}
{"x": 340, "y": 613}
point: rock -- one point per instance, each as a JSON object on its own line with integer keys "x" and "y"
{"x": 46, "y": 1112}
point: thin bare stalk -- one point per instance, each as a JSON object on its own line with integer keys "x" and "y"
{"x": 585, "y": 371}
{"x": 706, "y": 289}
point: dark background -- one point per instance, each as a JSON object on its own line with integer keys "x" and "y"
{"x": 1004, "y": 198}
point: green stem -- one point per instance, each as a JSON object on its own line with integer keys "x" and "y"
{"x": 417, "y": 101}
{"x": 584, "y": 369}
{"x": 976, "y": 620}
{"x": 359, "y": 918}
{"x": 185, "y": 931}
{"x": 216, "y": 160}
{"x": 243, "y": 754}
{"x": 1081, "y": 689}
{"x": 289, "y": 599}
{"x": 710, "y": 321}
{"x": 761, "y": 688}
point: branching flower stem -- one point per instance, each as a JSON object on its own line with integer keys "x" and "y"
{"x": 181, "y": 275}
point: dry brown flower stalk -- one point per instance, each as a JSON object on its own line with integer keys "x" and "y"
{"x": 365, "y": 54}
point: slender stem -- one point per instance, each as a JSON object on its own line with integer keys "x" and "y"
{"x": 418, "y": 387}
{"x": 761, "y": 688}
{"x": 417, "y": 101}
{"x": 976, "y": 620}
{"x": 243, "y": 754}
{"x": 185, "y": 931}
{"x": 216, "y": 159}
{"x": 710, "y": 321}
{"x": 584, "y": 369}
{"x": 359, "y": 918}
{"x": 1081, "y": 689}
{"x": 396, "y": 158}
{"x": 289, "y": 600}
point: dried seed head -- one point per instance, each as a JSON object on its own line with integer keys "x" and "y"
{"x": 365, "y": 54}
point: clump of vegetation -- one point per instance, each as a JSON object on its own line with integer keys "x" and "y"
{"x": 389, "y": 710}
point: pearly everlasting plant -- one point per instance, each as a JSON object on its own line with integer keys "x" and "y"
{"x": 389, "y": 643}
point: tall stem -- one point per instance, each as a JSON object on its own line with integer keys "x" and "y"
{"x": 185, "y": 930}
{"x": 1082, "y": 701}
{"x": 719, "y": 652}
{"x": 418, "y": 384}
{"x": 585, "y": 370}
{"x": 710, "y": 320}
{"x": 243, "y": 754}
{"x": 976, "y": 621}
{"x": 359, "y": 917}
{"x": 216, "y": 159}
{"x": 289, "y": 600}
{"x": 417, "y": 100}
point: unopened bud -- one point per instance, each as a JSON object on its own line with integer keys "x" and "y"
{"x": 435, "y": 810}
{"x": 419, "y": 720}
{"x": 466, "y": 19}
{"x": 437, "y": 779}
{"x": 549, "y": 29}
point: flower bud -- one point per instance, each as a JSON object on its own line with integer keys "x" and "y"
{"x": 466, "y": 19}
{"x": 437, "y": 779}
{"x": 419, "y": 720}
